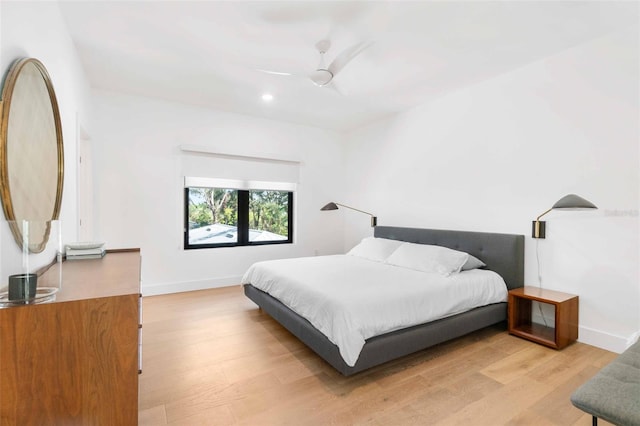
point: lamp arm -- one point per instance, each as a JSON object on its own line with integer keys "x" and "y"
{"x": 353, "y": 208}
{"x": 374, "y": 220}
{"x": 538, "y": 218}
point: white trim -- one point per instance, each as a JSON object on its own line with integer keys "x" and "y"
{"x": 201, "y": 182}
{"x": 633, "y": 338}
{"x": 604, "y": 340}
{"x": 179, "y": 287}
{"x": 217, "y": 152}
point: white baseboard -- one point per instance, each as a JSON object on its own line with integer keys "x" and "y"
{"x": 634, "y": 338}
{"x": 179, "y": 287}
{"x": 603, "y": 340}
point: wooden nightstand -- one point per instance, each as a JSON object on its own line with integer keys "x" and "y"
{"x": 562, "y": 333}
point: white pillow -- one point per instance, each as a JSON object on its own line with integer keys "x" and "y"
{"x": 473, "y": 263}
{"x": 376, "y": 249}
{"x": 428, "y": 258}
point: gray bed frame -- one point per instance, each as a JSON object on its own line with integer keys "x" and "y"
{"x": 503, "y": 253}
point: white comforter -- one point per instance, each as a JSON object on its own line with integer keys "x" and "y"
{"x": 350, "y": 299}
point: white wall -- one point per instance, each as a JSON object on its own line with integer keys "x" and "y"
{"x": 138, "y": 186}
{"x": 493, "y": 156}
{"x": 37, "y": 30}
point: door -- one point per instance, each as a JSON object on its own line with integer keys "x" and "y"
{"x": 85, "y": 186}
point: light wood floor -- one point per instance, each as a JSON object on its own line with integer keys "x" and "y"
{"x": 212, "y": 358}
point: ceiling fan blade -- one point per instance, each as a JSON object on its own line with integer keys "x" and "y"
{"x": 346, "y": 56}
{"x": 274, "y": 72}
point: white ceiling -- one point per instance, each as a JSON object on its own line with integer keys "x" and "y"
{"x": 209, "y": 53}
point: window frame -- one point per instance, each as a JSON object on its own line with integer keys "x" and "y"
{"x": 243, "y": 225}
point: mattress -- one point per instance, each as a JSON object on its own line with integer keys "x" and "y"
{"x": 350, "y": 299}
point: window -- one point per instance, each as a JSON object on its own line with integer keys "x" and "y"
{"x": 227, "y": 217}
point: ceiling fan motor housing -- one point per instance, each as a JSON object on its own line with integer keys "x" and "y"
{"x": 321, "y": 77}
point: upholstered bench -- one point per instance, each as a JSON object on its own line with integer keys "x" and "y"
{"x": 613, "y": 394}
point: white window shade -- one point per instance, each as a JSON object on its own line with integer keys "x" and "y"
{"x": 203, "y": 182}
{"x": 238, "y": 171}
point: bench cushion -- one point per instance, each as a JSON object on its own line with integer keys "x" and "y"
{"x": 614, "y": 393}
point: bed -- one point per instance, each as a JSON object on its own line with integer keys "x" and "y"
{"x": 502, "y": 253}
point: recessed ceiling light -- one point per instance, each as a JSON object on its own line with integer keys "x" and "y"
{"x": 267, "y": 97}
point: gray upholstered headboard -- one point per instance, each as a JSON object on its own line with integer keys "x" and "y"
{"x": 503, "y": 253}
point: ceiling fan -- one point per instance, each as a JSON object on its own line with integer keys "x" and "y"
{"x": 323, "y": 75}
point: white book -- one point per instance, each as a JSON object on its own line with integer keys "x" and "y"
{"x": 79, "y": 252}
{"x": 84, "y": 245}
{"x": 86, "y": 256}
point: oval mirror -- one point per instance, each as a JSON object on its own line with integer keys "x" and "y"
{"x": 31, "y": 153}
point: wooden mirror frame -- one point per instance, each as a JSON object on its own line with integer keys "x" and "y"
{"x": 30, "y": 185}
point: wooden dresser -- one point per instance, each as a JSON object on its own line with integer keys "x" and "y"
{"x": 75, "y": 360}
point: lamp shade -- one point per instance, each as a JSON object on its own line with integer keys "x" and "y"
{"x": 330, "y": 206}
{"x": 573, "y": 201}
